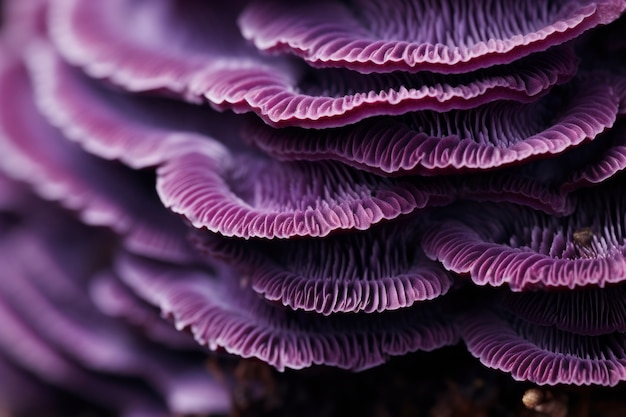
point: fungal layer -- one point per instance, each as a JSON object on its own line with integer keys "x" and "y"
{"x": 397, "y": 160}
{"x": 370, "y": 36}
{"x": 373, "y": 271}
{"x": 552, "y": 336}
{"x": 526, "y": 249}
{"x": 51, "y": 330}
{"x": 221, "y": 311}
{"x": 491, "y": 135}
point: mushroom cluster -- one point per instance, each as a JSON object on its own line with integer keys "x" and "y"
{"x": 307, "y": 183}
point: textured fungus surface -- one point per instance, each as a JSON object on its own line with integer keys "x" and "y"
{"x": 114, "y": 299}
{"x": 252, "y": 196}
{"x": 400, "y": 158}
{"x": 280, "y": 91}
{"x": 372, "y": 271}
{"x": 545, "y": 355}
{"x": 492, "y": 135}
{"x": 230, "y": 190}
{"x": 58, "y": 335}
{"x": 550, "y": 185}
{"x": 336, "y": 97}
{"x": 104, "y": 194}
{"x": 587, "y": 311}
{"x": 510, "y": 186}
{"x": 140, "y": 131}
{"x": 104, "y": 38}
{"x": 442, "y": 36}
{"x": 507, "y": 244}
{"x": 100, "y": 345}
{"x": 591, "y": 164}
{"x": 221, "y": 312}
{"x": 35, "y": 356}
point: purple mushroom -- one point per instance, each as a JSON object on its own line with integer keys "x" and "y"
{"x": 525, "y": 249}
{"x": 588, "y": 311}
{"x": 222, "y": 311}
{"x": 370, "y": 36}
{"x": 52, "y": 330}
{"x": 543, "y": 354}
{"x": 487, "y": 136}
{"x": 552, "y": 337}
{"x": 103, "y": 192}
{"x": 373, "y": 271}
{"x": 397, "y": 160}
{"x": 115, "y": 299}
{"x": 239, "y": 78}
{"x": 224, "y": 188}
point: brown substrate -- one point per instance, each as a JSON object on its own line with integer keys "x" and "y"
{"x": 445, "y": 383}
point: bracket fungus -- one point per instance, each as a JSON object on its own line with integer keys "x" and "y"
{"x": 408, "y": 175}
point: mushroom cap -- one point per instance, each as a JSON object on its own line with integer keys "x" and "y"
{"x": 197, "y": 67}
{"x": 544, "y": 355}
{"x": 251, "y": 196}
{"x": 114, "y": 299}
{"x": 372, "y": 271}
{"x": 219, "y": 183}
{"x": 484, "y": 137}
{"x": 222, "y": 311}
{"x": 104, "y": 193}
{"x": 422, "y": 35}
{"x": 525, "y": 249}
{"x": 587, "y": 311}
{"x": 51, "y": 328}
